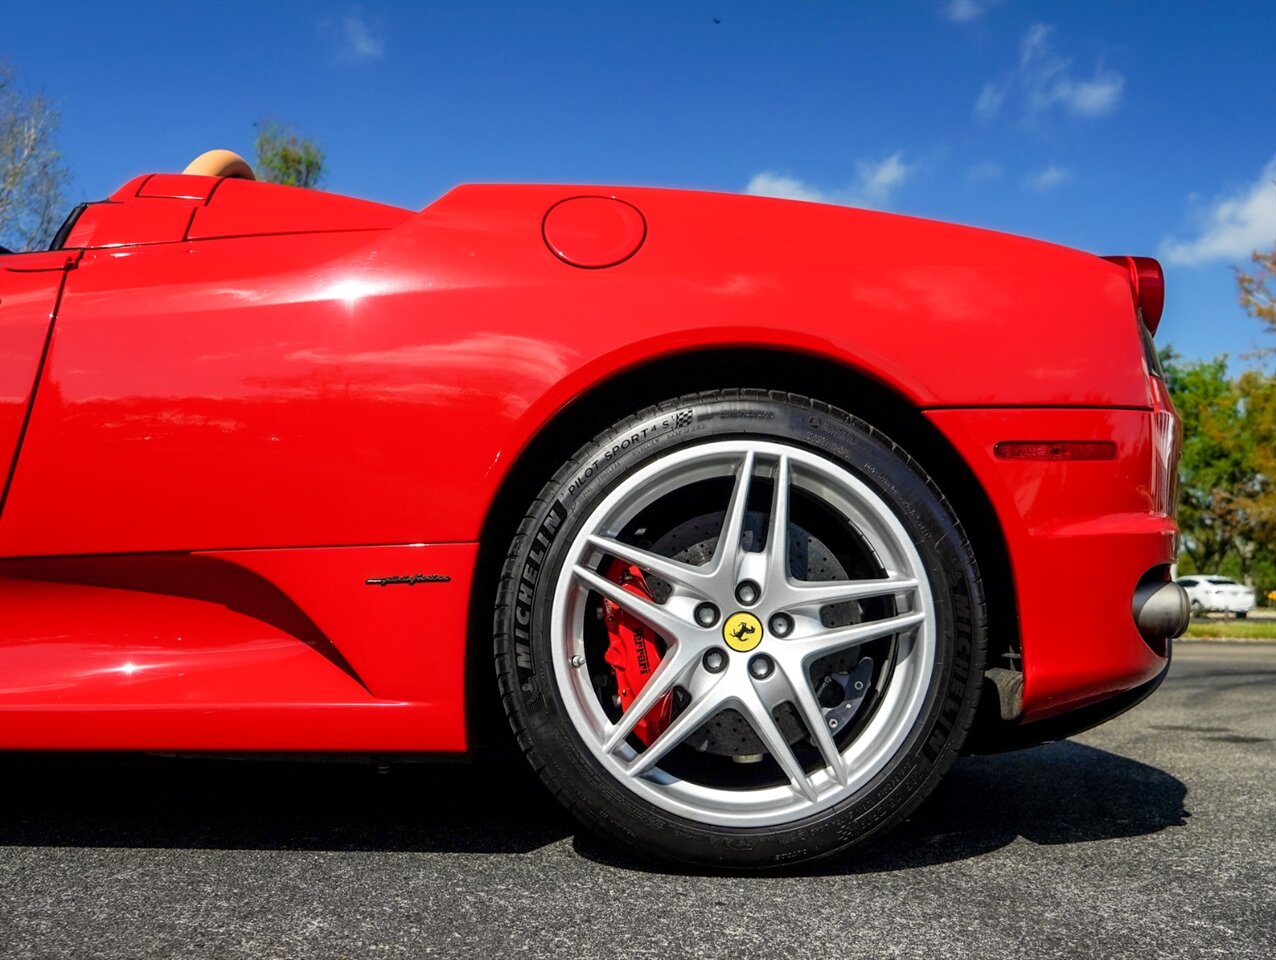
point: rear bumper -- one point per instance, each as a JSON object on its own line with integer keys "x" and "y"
{"x": 996, "y": 738}
{"x": 1082, "y": 537}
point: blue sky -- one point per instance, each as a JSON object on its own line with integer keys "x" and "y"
{"x": 1142, "y": 128}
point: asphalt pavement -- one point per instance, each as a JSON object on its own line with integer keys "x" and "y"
{"x": 1152, "y": 836}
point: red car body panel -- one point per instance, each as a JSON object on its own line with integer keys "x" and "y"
{"x": 247, "y": 649}
{"x": 31, "y": 285}
{"x": 292, "y": 387}
{"x": 1107, "y": 518}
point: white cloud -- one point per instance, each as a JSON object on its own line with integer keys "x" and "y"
{"x": 1044, "y": 81}
{"x": 1095, "y": 97}
{"x": 877, "y": 181}
{"x": 361, "y": 42}
{"x": 786, "y": 188}
{"x": 1035, "y": 44}
{"x": 990, "y": 99}
{"x": 874, "y": 187}
{"x": 1233, "y": 227}
{"x": 1049, "y": 178}
{"x": 963, "y": 11}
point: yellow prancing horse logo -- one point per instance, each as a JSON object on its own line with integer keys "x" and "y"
{"x": 742, "y": 631}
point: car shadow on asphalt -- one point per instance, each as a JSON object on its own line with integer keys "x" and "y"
{"x": 140, "y": 800}
{"x": 1058, "y": 793}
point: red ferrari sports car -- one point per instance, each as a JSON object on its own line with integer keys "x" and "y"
{"x": 747, "y": 513}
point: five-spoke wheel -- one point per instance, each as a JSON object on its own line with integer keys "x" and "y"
{"x": 761, "y": 649}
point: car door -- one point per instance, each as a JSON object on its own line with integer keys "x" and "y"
{"x": 30, "y": 288}
{"x": 182, "y": 406}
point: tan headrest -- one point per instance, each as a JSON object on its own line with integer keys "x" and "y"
{"x": 220, "y": 163}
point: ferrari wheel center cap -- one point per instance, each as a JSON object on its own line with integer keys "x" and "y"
{"x": 742, "y": 631}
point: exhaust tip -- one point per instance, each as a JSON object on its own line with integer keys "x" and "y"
{"x": 1161, "y": 610}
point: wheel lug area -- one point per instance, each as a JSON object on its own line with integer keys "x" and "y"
{"x": 707, "y": 614}
{"x": 748, "y": 592}
{"x": 761, "y": 667}
{"x": 715, "y": 660}
{"x": 780, "y": 625}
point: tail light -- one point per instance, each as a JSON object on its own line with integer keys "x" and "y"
{"x": 1147, "y": 285}
{"x": 1166, "y": 442}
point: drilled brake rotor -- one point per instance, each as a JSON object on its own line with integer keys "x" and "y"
{"x": 693, "y": 542}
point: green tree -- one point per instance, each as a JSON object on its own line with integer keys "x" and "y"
{"x": 284, "y": 156}
{"x": 31, "y": 171}
{"x": 1257, "y": 394}
{"x": 1227, "y": 472}
{"x": 1213, "y": 470}
{"x": 1258, "y": 296}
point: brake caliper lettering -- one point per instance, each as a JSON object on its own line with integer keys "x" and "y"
{"x": 634, "y": 653}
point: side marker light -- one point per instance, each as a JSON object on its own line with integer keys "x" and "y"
{"x": 1055, "y": 450}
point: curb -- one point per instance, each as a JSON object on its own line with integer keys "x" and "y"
{"x": 1267, "y": 640}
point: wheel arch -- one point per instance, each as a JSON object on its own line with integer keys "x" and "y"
{"x": 662, "y": 378}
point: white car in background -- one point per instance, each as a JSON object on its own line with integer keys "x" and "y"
{"x": 1210, "y": 593}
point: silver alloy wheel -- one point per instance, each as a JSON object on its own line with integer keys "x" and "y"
{"x": 843, "y": 768}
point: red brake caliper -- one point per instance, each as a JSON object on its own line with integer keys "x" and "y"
{"x": 634, "y": 653}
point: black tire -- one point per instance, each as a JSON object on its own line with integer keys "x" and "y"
{"x": 534, "y": 699}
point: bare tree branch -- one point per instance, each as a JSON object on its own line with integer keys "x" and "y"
{"x": 31, "y": 172}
